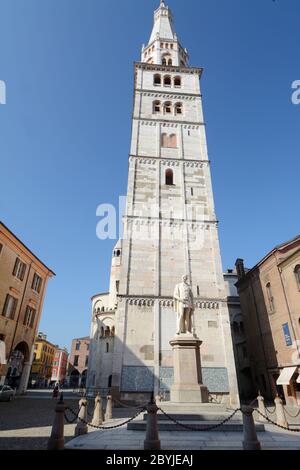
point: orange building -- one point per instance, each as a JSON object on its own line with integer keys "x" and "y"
{"x": 270, "y": 298}
{"x": 23, "y": 283}
{"x": 78, "y": 362}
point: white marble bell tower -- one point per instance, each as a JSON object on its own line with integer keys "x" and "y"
{"x": 170, "y": 229}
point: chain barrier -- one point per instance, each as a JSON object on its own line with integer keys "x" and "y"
{"x": 71, "y": 421}
{"x": 105, "y": 427}
{"x": 269, "y": 411}
{"x": 129, "y": 406}
{"x": 207, "y": 428}
{"x": 278, "y": 425}
{"x": 291, "y": 416}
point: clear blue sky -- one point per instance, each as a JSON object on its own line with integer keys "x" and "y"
{"x": 68, "y": 67}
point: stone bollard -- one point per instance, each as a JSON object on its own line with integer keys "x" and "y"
{"x": 152, "y": 441}
{"x": 108, "y": 411}
{"x": 57, "y": 441}
{"x": 280, "y": 416}
{"x": 97, "y": 416}
{"x": 81, "y": 426}
{"x": 261, "y": 408}
{"x": 250, "y": 441}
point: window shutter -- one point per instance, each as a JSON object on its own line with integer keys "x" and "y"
{"x": 23, "y": 271}
{"x": 32, "y": 318}
{"x": 13, "y": 310}
{"x": 16, "y": 266}
{"x": 5, "y": 305}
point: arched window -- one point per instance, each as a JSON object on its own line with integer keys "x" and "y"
{"x": 168, "y": 107}
{"x": 166, "y": 60}
{"x": 169, "y": 177}
{"x": 172, "y": 141}
{"x": 169, "y": 140}
{"x": 118, "y": 252}
{"x": 177, "y": 82}
{"x": 167, "y": 80}
{"x": 270, "y": 298}
{"x": 112, "y": 331}
{"x": 297, "y": 275}
{"x": 164, "y": 140}
{"x": 156, "y": 107}
{"x": 178, "y": 108}
{"x": 107, "y": 331}
{"x": 157, "y": 79}
{"x": 107, "y": 347}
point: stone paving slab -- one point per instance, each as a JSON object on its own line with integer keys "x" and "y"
{"x": 120, "y": 439}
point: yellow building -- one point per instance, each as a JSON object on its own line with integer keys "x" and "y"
{"x": 41, "y": 370}
{"x": 23, "y": 284}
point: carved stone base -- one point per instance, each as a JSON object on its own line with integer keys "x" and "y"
{"x": 187, "y": 386}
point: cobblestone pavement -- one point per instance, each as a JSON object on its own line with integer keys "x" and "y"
{"x": 26, "y": 422}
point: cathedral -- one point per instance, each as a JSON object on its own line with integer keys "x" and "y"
{"x": 170, "y": 230}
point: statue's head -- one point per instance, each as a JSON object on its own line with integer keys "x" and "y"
{"x": 185, "y": 278}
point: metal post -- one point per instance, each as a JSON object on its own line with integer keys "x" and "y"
{"x": 250, "y": 441}
{"x": 108, "y": 411}
{"x": 97, "y": 416}
{"x": 152, "y": 441}
{"x": 81, "y": 426}
{"x": 57, "y": 441}
{"x": 280, "y": 415}
{"x": 261, "y": 408}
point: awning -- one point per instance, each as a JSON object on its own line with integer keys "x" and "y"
{"x": 286, "y": 375}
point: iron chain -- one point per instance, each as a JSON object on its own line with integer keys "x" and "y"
{"x": 107, "y": 427}
{"x": 208, "y": 428}
{"x": 275, "y": 424}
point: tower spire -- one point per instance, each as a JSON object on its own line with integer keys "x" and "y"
{"x": 163, "y": 46}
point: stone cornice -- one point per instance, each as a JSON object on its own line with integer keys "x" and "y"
{"x": 151, "y": 220}
{"x": 154, "y": 122}
{"x": 156, "y": 92}
{"x": 168, "y": 68}
{"x": 149, "y": 300}
{"x": 186, "y": 161}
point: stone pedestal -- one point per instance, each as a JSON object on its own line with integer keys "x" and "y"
{"x": 187, "y": 386}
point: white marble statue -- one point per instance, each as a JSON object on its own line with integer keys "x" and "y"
{"x": 184, "y": 306}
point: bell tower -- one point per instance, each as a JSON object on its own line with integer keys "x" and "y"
{"x": 170, "y": 229}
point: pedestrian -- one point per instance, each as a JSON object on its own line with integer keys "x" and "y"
{"x": 55, "y": 392}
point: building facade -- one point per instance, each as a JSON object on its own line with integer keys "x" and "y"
{"x": 170, "y": 229}
{"x": 241, "y": 354}
{"x": 59, "y": 366}
{"x": 78, "y": 362}
{"x": 23, "y": 283}
{"x": 270, "y": 299}
{"x": 41, "y": 370}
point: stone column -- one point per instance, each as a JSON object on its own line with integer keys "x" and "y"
{"x": 187, "y": 386}
{"x": 250, "y": 441}
{"x": 261, "y": 408}
{"x": 24, "y": 378}
{"x": 152, "y": 438}
{"x": 57, "y": 441}
{"x": 108, "y": 411}
{"x": 280, "y": 416}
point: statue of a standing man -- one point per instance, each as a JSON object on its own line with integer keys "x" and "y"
{"x": 184, "y": 306}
